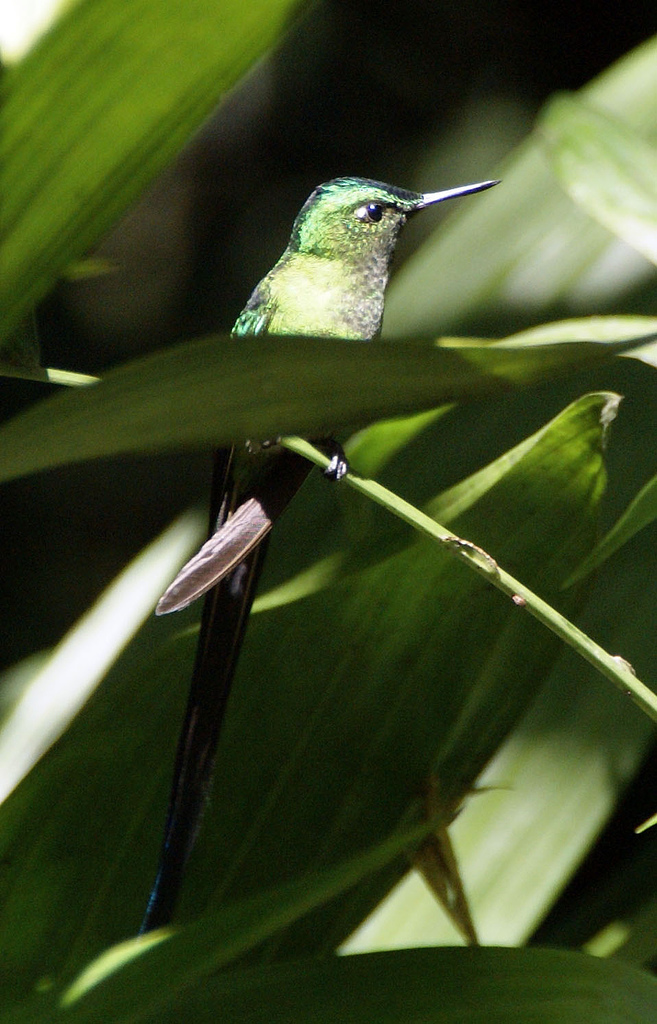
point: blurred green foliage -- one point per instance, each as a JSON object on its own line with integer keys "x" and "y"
{"x": 393, "y": 664}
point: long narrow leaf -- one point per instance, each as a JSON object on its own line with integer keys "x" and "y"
{"x": 479, "y": 986}
{"x": 80, "y": 661}
{"x": 527, "y": 246}
{"x": 641, "y": 512}
{"x": 621, "y": 674}
{"x": 149, "y": 975}
{"x": 212, "y": 392}
{"x": 607, "y": 168}
{"x": 101, "y": 104}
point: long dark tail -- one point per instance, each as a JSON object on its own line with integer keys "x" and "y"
{"x": 225, "y": 614}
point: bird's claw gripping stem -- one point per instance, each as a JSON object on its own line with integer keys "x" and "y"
{"x": 338, "y": 465}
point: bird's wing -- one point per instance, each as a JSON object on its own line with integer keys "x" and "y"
{"x": 225, "y": 549}
{"x": 258, "y": 507}
{"x": 256, "y": 315}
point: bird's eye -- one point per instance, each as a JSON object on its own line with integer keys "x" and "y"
{"x": 371, "y": 213}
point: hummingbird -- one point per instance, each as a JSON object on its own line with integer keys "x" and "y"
{"x": 329, "y": 283}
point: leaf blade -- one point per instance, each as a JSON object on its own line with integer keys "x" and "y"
{"x": 606, "y": 168}
{"x": 209, "y": 392}
{"x": 95, "y": 110}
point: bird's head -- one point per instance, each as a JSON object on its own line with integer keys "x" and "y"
{"x": 349, "y": 218}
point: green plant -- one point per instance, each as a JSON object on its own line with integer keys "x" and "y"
{"x": 378, "y": 662}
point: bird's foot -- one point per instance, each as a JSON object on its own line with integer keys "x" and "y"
{"x": 338, "y": 465}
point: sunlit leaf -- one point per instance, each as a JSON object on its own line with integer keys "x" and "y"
{"x": 607, "y": 168}
{"x": 76, "y": 666}
{"x": 401, "y": 694}
{"x": 216, "y": 391}
{"x": 524, "y": 245}
{"x": 101, "y": 104}
{"x": 338, "y": 749}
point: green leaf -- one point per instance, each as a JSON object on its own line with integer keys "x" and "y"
{"x": 370, "y": 449}
{"x": 524, "y": 246}
{"x": 552, "y": 786}
{"x": 69, "y": 675}
{"x": 607, "y": 168}
{"x": 641, "y": 512}
{"x": 339, "y": 747}
{"x": 388, "y": 691}
{"x": 585, "y": 328}
{"x": 90, "y": 794}
{"x": 96, "y": 109}
{"x": 460, "y": 498}
{"x": 133, "y": 981}
{"x": 474, "y": 986}
{"x": 616, "y": 915}
{"x": 19, "y": 351}
{"x": 216, "y": 391}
